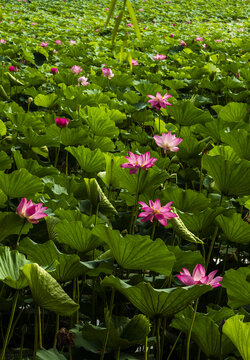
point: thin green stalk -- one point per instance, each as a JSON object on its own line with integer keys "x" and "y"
{"x": 146, "y": 349}
{"x": 20, "y": 233}
{"x": 5, "y": 343}
{"x": 153, "y": 230}
{"x": 134, "y": 214}
{"x": 78, "y": 299}
{"x": 212, "y": 246}
{"x": 39, "y": 327}
{"x": 191, "y": 328}
{"x": 118, "y": 354}
{"x": 201, "y": 174}
{"x": 108, "y": 325}
{"x": 67, "y": 164}
{"x": 70, "y": 352}
{"x": 35, "y": 337}
{"x": 14, "y": 325}
{"x": 58, "y": 151}
{"x": 158, "y": 340}
{"x": 175, "y": 343}
{"x": 163, "y": 335}
{"x": 199, "y": 354}
{"x": 20, "y": 357}
{"x": 57, "y": 329}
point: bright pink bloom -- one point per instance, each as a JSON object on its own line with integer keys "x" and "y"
{"x": 182, "y": 43}
{"x": 168, "y": 142}
{"x": 2, "y": 41}
{"x": 171, "y": 35}
{"x": 72, "y": 42}
{"x": 32, "y": 212}
{"x": 96, "y": 30}
{"x": 62, "y": 122}
{"x": 107, "y": 73}
{"x": 76, "y": 69}
{"x": 189, "y": 22}
{"x": 43, "y": 44}
{"x": 218, "y": 40}
{"x": 159, "y": 101}
{"x": 174, "y": 24}
{"x": 134, "y": 62}
{"x": 53, "y": 70}
{"x": 159, "y": 57}
{"x": 199, "y": 277}
{"x": 107, "y": 9}
{"x": 136, "y": 162}
{"x": 83, "y": 81}
{"x": 199, "y": 39}
{"x": 130, "y": 25}
{"x": 58, "y": 42}
{"x": 140, "y": 9}
{"x": 13, "y": 68}
{"x": 156, "y": 212}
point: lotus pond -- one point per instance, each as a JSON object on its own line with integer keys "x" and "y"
{"x": 124, "y": 180}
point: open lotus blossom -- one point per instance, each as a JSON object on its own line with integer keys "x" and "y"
{"x": 32, "y": 212}
{"x": 171, "y": 35}
{"x": 83, "y": 81}
{"x": 58, "y": 42}
{"x": 218, "y": 40}
{"x": 136, "y": 162}
{"x": 199, "y": 277}
{"x": 13, "y": 68}
{"x": 204, "y": 46}
{"x": 155, "y": 212}
{"x": 76, "y": 69}
{"x": 2, "y": 41}
{"x": 159, "y": 57}
{"x": 43, "y": 44}
{"x": 130, "y": 25}
{"x": 134, "y": 62}
{"x": 33, "y": 23}
{"x": 72, "y": 42}
{"x": 199, "y": 39}
{"x": 168, "y": 142}
{"x": 182, "y": 43}
{"x": 159, "y": 101}
{"x": 53, "y": 70}
{"x": 62, "y": 122}
{"x": 107, "y": 73}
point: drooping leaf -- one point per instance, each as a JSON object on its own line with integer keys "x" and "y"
{"x": 133, "y": 19}
{"x": 137, "y": 252}
{"x": 234, "y": 228}
{"x": 238, "y": 287}
{"x": 157, "y": 302}
{"x": 46, "y": 291}
{"x": 239, "y": 333}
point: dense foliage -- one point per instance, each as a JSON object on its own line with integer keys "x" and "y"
{"x": 124, "y": 180}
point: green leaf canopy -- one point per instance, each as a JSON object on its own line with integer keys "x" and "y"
{"x": 238, "y": 286}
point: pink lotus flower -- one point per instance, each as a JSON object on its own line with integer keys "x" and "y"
{"x": 134, "y": 62}
{"x": 189, "y": 22}
{"x": 58, "y": 42}
{"x": 171, "y": 35}
{"x": 174, "y": 24}
{"x": 72, "y": 42}
{"x": 218, "y": 40}
{"x": 130, "y": 25}
{"x": 96, "y": 30}
{"x": 140, "y": 9}
{"x": 83, "y": 81}
{"x": 204, "y": 46}
{"x": 159, "y": 57}
{"x": 32, "y": 212}
{"x": 33, "y": 23}
{"x": 136, "y": 162}
{"x": 13, "y": 68}
{"x": 53, "y": 70}
{"x": 199, "y": 277}
{"x": 107, "y": 73}
{"x": 76, "y": 69}
{"x": 55, "y": 51}
{"x": 43, "y": 44}
{"x": 159, "y": 101}
{"x": 199, "y": 39}
{"x": 182, "y": 43}
{"x": 155, "y": 212}
{"x": 2, "y": 41}
{"x": 168, "y": 142}
{"x": 62, "y": 122}
{"x": 107, "y": 9}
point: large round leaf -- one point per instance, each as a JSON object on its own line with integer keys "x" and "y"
{"x": 20, "y": 183}
{"x": 185, "y": 113}
{"x": 90, "y": 161}
{"x": 240, "y": 142}
{"x": 234, "y": 112}
{"x": 238, "y": 286}
{"x": 46, "y": 291}
{"x": 137, "y": 252}
{"x": 234, "y": 228}
{"x": 157, "y": 302}
{"x": 11, "y": 224}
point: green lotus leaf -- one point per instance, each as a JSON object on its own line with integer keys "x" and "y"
{"x": 90, "y": 161}
{"x": 99, "y": 122}
{"x": 5, "y": 161}
{"x": 212, "y": 129}
{"x": 20, "y": 183}
{"x": 32, "y": 138}
{"x": 110, "y": 176}
{"x": 238, "y": 287}
{"x": 11, "y": 224}
{"x": 239, "y": 333}
{"x": 185, "y": 258}
{"x": 185, "y": 113}
{"x": 3, "y": 129}
{"x": 190, "y": 147}
{"x": 46, "y": 101}
{"x": 137, "y": 252}
{"x": 46, "y": 291}
{"x": 226, "y": 151}
{"x": 234, "y": 228}
{"x": 10, "y": 264}
{"x": 51, "y": 354}
{"x": 228, "y": 175}
{"x": 157, "y": 302}
{"x": 76, "y": 236}
{"x": 240, "y": 142}
{"x": 234, "y": 112}
{"x": 75, "y": 136}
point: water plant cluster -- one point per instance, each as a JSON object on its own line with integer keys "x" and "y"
{"x": 124, "y": 180}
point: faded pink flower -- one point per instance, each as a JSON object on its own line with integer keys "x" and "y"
{"x": 32, "y": 212}
{"x": 189, "y": 22}
{"x": 159, "y": 101}
{"x": 155, "y": 212}
{"x": 130, "y": 25}
{"x": 33, "y": 23}
{"x": 2, "y": 41}
{"x": 43, "y": 44}
{"x": 76, "y": 69}
{"x": 204, "y": 46}
{"x": 168, "y": 142}
{"x": 134, "y": 62}
{"x": 83, "y": 81}
{"x": 199, "y": 39}
{"x": 136, "y": 162}
{"x": 12, "y": 22}
{"x": 58, "y": 42}
{"x": 96, "y": 30}
{"x": 107, "y": 9}
{"x": 182, "y": 43}
{"x": 140, "y": 9}
{"x": 55, "y": 51}
{"x": 218, "y": 40}
{"x": 107, "y": 73}
{"x": 159, "y": 57}
{"x": 53, "y": 70}
{"x": 72, "y": 42}
{"x": 199, "y": 277}
{"x": 62, "y": 122}
{"x": 13, "y": 68}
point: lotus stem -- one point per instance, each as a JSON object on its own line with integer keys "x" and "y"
{"x": 57, "y": 329}
{"x": 5, "y": 343}
{"x": 212, "y": 246}
{"x": 108, "y": 325}
{"x": 163, "y": 335}
{"x": 133, "y": 218}
{"x": 35, "y": 336}
{"x": 175, "y": 343}
{"x": 20, "y": 233}
{"x": 58, "y": 151}
{"x": 39, "y": 327}
{"x": 146, "y": 348}
{"x": 118, "y": 354}
{"x": 191, "y": 328}
{"x": 158, "y": 343}
{"x": 153, "y": 230}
